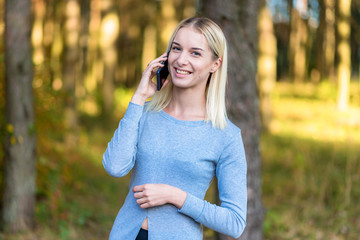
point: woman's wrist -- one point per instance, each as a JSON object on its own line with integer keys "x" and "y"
{"x": 177, "y": 197}
{"x": 139, "y": 99}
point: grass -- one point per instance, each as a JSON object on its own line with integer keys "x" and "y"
{"x": 311, "y": 166}
{"x": 311, "y": 172}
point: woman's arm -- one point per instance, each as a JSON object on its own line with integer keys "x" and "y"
{"x": 119, "y": 157}
{"x": 151, "y": 195}
{"x": 230, "y": 217}
{"x": 147, "y": 87}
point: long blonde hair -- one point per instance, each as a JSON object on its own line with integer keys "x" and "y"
{"x": 215, "y": 96}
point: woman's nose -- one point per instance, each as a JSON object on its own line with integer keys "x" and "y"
{"x": 182, "y": 59}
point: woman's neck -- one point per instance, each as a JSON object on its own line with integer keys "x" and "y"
{"x": 187, "y": 105}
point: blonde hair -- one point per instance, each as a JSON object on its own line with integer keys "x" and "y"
{"x": 215, "y": 96}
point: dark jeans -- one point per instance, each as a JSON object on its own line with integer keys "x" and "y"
{"x": 142, "y": 235}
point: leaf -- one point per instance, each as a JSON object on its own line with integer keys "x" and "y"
{"x": 10, "y": 128}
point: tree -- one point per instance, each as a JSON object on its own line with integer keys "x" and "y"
{"x": 344, "y": 52}
{"x": 238, "y": 19}
{"x": 109, "y": 31}
{"x": 149, "y": 38}
{"x": 266, "y": 63}
{"x": 298, "y": 41}
{"x": 38, "y": 31}
{"x": 20, "y": 140}
{"x": 71, "y": 68}
{"x": 326, "y": 39}
{"x": 168, "y": 22}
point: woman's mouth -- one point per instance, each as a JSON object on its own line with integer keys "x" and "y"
{"x": 182, "y": 72}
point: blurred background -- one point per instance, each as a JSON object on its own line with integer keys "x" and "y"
{"x": 88, "y": 57}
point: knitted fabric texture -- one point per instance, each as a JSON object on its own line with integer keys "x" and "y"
{"x": 158, "y": 148}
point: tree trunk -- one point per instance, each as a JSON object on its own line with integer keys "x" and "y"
{"x": 110, "y": 27}
{"x": 168, "y": 22}
{"x": 298, "y": 43}
{"x": 57, "y": 43}
{"x": 238, "y": 19}
{"x": 266, "y": 64}
{"x": 20, "y": 140}
{"x": 71, "y": 68}
{"x": 329, "y": 41}
{"x": 344, "y": 52}
{"x": 92, "y": 57}
{"x": 326, "y": 40}
{"x": 38, "y": 31}
{"x": 149, "y": 45}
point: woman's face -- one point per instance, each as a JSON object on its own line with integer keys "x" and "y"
{"x": 191, "y": 60}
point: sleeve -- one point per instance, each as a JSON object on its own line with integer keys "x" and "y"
{"x": 119, "y": 156}
{"x": 230, "y": 217}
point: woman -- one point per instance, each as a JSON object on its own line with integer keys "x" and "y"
{"x": 176, "y": 143}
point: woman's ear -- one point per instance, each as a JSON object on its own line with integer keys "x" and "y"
{"x": 216, "y": 65}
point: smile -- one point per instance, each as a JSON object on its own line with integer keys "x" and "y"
{"x": 182, "y": 72}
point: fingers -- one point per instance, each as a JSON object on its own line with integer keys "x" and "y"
{"x": 138, "y": 188}
{"x": 152, "y": 67}
{"x": 146, "y": 202}
{"x": 142, "y": 196}
{"x": 158, "y": 60}
{"x": 150, "y": 195}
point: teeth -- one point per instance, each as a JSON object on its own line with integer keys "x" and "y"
{"x": 181, "y": 71}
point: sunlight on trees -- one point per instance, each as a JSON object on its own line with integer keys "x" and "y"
{"x": 168, "y": 21}
{"x": 109, "y": 32}
{"x": 330, "y": 38}
{"x": 149, "y": 46}
{"x": 344, "y": 52}
{"x": 71, "y": 68}
{"x": 90, "y": 80}
{"x": 266, "y": 74}
{"x": 326, "y": 40}
{"x": 37, "y": 35}
{"x": 298, "y": 42}
{"x": 57, "y": 47}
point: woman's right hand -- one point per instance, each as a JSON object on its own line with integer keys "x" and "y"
{"x": 147, "y": 87}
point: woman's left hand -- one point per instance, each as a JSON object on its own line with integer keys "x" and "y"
{"x": 151, "y": 195}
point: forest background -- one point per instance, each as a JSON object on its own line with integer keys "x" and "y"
{"x": 88, "y": 56}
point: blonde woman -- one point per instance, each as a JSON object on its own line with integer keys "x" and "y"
{"x": 178, "y": 142}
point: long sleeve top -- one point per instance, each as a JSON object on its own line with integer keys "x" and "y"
{"x": 159, "y": 148}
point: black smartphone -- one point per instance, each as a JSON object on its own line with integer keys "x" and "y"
{"x": 161, "y": 74}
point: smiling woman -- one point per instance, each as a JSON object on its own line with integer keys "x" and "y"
{"x": 209, "y": 38}
{"x": 191, "y": 62}
{"x": 178, "y": 142}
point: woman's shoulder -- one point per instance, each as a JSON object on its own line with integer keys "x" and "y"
{"x": 228, "y": 135}
{"x": 231, "y": 129}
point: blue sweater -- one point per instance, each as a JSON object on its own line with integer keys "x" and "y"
{"x": 159, "y": 148}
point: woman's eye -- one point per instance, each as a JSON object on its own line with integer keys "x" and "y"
{"x": 175, "y": 48}
{"x": 196, "y": 54}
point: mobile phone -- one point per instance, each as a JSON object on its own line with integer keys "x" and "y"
{"x": 161, "y": 74}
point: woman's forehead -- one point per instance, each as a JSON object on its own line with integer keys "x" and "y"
{"x": 189, "y": 36}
